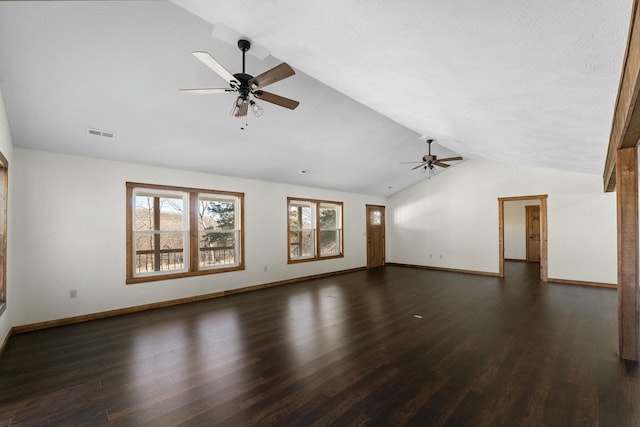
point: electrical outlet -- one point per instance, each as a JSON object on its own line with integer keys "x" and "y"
{"x": 430, "y": 256}
{"x": 265, "y": 268}
{"x": 73, "y": 293}
{"x": 440, "y": 256}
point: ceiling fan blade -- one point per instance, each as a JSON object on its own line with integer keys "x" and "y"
{"x": 406, "y": 163}
{"x": 450, "y": 159}
{"x": 442, "y": 165}
{"x": 211, "y": 62}
{"x": 276, "y": 99}
{"x": 206, "y": 91}
{"x": 419, "y": 166}
{"x": 273, "y": 75}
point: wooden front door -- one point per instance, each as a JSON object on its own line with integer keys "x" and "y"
{"x": 375, "y": 236}
{"x": 533, "y": 233}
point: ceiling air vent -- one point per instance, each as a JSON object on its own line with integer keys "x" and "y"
{"x": 102, "y": 133}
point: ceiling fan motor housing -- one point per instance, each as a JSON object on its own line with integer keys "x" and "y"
{"x": 244, "y": 90}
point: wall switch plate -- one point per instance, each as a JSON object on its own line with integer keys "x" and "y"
{"x": 73, "y": 293}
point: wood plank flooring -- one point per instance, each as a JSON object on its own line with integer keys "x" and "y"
{"x": 391, "y": 346}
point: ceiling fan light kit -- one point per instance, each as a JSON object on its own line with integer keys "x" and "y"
{"x": 247, "y": 86}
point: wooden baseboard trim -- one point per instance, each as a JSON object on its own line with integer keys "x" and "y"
{"x": 515, "y": 259}
{"x": 5, "y": 342}
{"x": 111, "y": 313}
{"x": 583, "y": 283}
{"x": 137, "y": 308}
{"x": 450, "y": 270}
{"x": 290, "y": 281}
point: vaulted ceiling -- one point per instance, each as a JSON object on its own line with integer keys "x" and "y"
{"x": 525, "y": 81}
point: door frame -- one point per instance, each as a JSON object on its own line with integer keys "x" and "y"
{"x": 384, "y": 232}
{"x": 543, "y": 231}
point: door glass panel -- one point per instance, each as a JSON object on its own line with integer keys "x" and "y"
{"x": 375, "y": 218}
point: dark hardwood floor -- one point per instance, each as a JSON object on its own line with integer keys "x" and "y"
{"x": 392, "y": 346}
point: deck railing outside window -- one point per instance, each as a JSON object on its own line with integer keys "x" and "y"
{"x": 173, "y": 259}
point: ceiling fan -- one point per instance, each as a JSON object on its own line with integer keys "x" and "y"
{"x": 245, "y": 85}
{"x": 430, "y": 160}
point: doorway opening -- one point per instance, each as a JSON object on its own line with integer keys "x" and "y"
{"x": 534, "y": 211}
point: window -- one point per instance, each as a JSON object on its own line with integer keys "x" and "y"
{"x": 160, "y": 231}
{"x": 4, "y": 188}
{"x": 178, "y": 232}
{"x": 315, "y": 229}
{"x": 218, "y": 231}
{"x": 375, "y": 217}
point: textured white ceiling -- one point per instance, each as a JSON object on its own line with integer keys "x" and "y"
{"x": 513, "y": 80}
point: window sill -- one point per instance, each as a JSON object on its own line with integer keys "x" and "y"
{"x": 296, "y": 261}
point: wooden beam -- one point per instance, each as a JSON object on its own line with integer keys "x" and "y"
{"x": 625, "y": 129}
{"x": 501, "y": 237}
{"x": 628, "y": 291}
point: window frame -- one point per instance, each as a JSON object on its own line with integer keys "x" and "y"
{"x": 158, "y": 230}
{"x": 337, "y": 229}
{"x": 191, "y": 244}
{"x": 316, "y": 204}
{"x": 236, "y": 230}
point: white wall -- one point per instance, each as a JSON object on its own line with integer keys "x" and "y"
{"x": 6, "y": 147}
{"x": 67, "y": 229}
{"x": 70, "y": 234}
{"x": 456, "y": 214}
{"x": 515, "y": 224}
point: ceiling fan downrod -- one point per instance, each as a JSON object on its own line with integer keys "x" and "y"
{"x": 244, "y": 46}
